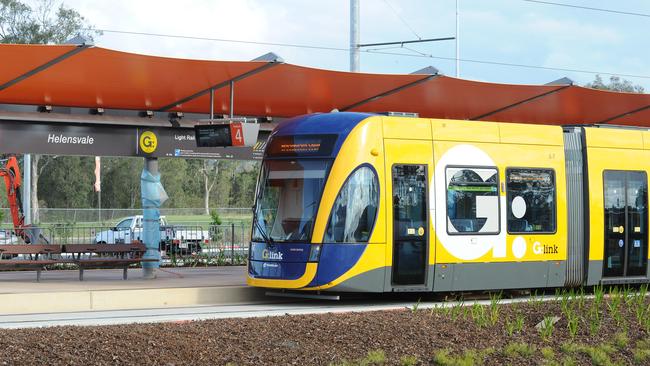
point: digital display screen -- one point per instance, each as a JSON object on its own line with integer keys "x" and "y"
{"x": 213, "y": 135}
{"x": 301, "y": 145}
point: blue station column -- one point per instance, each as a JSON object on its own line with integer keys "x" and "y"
{"x": 153, "y": 196}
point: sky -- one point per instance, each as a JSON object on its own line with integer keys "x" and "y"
{"x": 500, "y": 31}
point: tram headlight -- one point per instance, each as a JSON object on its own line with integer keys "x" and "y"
{"x": 314, "y": 252}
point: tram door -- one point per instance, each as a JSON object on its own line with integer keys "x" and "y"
{"x": 626, "y": 217}
{"x": 409, "y": 224}
{"x": 408, "y": 165}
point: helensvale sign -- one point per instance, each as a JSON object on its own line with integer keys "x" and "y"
{"x": 19, "y": 137}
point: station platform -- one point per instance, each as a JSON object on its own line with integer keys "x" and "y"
{"x": 104, "y": 289}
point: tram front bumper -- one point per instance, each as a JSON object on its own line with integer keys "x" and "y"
{"x": 293, "y": 266}
{"x": 282, "y": 265}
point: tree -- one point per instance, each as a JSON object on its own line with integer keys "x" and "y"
{"x": 615, "y": 84}
{"x": 50, "y": 22}
{"x": 210, "y": 172}
{"x": 38, "y": 165}
{"x": 121, "y": 182}
{"x": 46, "y": 24}
{"x": 68, "y": 182}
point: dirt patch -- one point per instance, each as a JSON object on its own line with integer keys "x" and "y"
{"x": 601, "y": 331}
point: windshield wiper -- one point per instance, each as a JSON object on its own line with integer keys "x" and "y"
{"x": 260, "y": 229}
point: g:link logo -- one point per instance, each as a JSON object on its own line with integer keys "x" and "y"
{"x": 148, "y": 142}
{"x": 269, "y": 255}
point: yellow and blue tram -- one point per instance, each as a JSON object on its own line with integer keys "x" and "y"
{"x": 352, "y": 202}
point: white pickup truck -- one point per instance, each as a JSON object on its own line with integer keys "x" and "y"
{"x": 127, "y": 230}
{"x": 174, "y": 238}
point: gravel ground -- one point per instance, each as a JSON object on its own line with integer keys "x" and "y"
{"x": 450, "y": 336}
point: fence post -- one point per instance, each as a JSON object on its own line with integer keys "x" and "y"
{"x": 232, "y": 243}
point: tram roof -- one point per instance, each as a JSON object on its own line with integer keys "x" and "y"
{"x": 93, "y": 77}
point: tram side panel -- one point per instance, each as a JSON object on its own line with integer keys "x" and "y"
{"x": 618, "y": 201}
{"x": 500, "y": 199}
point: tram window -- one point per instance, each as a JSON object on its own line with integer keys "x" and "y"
{"x": 531, "y": 200}
{"x": 355, "y": 209}
{"x": 472, "y": 200}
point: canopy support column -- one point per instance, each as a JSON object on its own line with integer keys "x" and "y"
{"x": 27, "y": 190}
{"x": 153, "y": 196}
{"x": 232, "y": 98}
{"x": 211, "y": 104}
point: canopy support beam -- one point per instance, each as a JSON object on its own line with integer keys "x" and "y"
{"x": 634, "y": 111}
{"x": 232, "y": 99}
{"x": 219, "y": 85}
{"x": 479, "y": 117}
{"x": 44, "y": 66}
{"x": 387, "y": 93}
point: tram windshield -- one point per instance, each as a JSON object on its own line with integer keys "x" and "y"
{"x": 287, "y": 199}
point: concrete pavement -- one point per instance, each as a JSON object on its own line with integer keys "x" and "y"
{"x": 61, "y": 291}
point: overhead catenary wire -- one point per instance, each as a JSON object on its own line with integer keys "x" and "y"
{"x": 340, "y": 49}
{"x": 588, "y": 8}
{"x": 402, "y": 19}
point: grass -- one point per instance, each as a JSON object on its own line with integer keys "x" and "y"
{"x": 599, "y": 355}
{"x": 494, "y": 308}
{"x": 416, "y": 306}
{"x": 642, "y": 351}
{"x": 408, "y": 361}
{"x": 515, "y": 326}
{"x": 374, "y": 357}
{"x": 562, "y": 319}
{"x": 520, "y": 349}
{"x": 546, "y": 328}
{"x": 479, "y": 315}
{"x": 548, "y": 353}
{"x": 573, "y": 324}
{"x": 582, "y": 319}
{"x": 621, "y": 340}
{"x": 470, "y": 357}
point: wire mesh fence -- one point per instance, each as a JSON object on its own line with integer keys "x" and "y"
{"x": 111, "y": 215}
{"x": 180, "y": 245}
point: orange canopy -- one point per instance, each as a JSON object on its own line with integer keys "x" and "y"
{"x": 92, "y": 77}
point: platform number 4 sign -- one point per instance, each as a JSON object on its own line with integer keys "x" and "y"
{"x": 236, "y": 134}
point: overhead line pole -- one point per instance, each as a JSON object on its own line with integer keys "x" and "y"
{"x": 355, "y": 46}
{"x": 457, "y": 42}
{"x": 354, "y": 35}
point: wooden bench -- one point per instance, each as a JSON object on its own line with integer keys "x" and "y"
{"x": 39, "y": 256}
{"x": 106, "y": 256}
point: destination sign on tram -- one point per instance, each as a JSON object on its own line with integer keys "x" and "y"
{"x": 302, "y": 145}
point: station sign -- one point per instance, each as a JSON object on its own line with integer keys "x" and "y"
{"x": 20, "y": 137}
{"x": 226, "y": 134}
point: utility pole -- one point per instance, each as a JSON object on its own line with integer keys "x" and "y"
{"x": 354, "y": 35}
{"x": 457, "y": 42}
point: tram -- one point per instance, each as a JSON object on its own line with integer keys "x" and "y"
{"x": 353, "y": 202}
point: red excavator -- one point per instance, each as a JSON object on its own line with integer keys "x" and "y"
{"x": 11, "y": 174}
